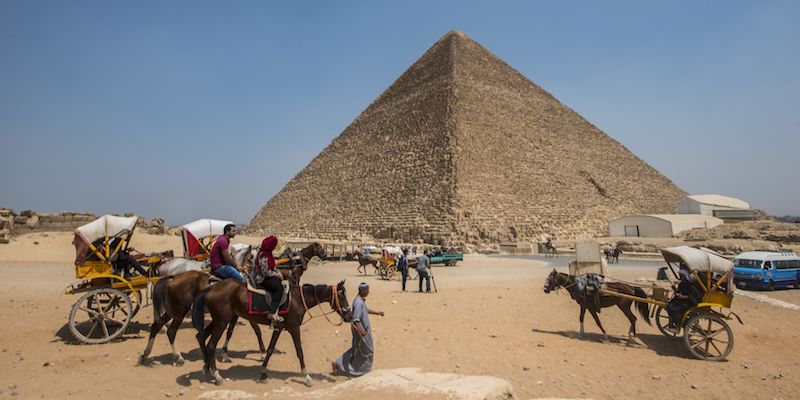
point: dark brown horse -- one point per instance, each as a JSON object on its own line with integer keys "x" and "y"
{"x": 173, "y": 296}
{"x": 557, "y": 279}
{"x": 363, "y": 261}
{"x": 229, "y": 299}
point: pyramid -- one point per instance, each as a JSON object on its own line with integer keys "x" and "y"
{"x": 462, "y": 148}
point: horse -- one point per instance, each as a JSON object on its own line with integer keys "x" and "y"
{"x": 364, "y": 261}
{"x": 550, "y": 250}
{"x": 173, "y": 296}
{"x": 229, "y": 299}
{"x": 558, "y": 279}
{"x": 612, "y": 255}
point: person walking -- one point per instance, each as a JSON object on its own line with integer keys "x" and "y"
{"x": 423, "y": 269}
{"x": 402, "y": 266}
{"x": 357, "y": 360}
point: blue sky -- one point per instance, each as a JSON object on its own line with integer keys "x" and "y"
{"x": 186, "y": 109}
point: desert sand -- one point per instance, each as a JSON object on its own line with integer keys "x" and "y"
{"x": 489, "y": 318}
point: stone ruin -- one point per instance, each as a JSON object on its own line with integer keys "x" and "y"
{"x": 28, "y": 221}
{"x": 462, "y": 148}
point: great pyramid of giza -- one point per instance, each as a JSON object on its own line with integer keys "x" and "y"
{"x": 462, "y": 148}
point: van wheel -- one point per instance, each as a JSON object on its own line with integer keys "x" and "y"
{"x": 771, "y": 285}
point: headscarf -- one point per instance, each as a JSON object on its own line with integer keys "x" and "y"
{"x": 363, "y": 286}
{"x": 267, "y": 245}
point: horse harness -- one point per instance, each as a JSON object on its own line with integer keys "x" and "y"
{"x": 334, "y": 301}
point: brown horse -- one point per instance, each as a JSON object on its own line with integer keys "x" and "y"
{"x": 557, "y": 279}
{"x": 229, "y": 299}
{"x": 173, "y": 296}
{"x": 363, "y": 261}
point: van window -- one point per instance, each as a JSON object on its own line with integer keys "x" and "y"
{"x": 787, "y": 264}
{"x": 742, "y": 263}
{"x": 767, "y": 265}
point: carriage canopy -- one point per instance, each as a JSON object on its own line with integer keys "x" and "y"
{"x": 199, "y": 236}
{"x": 698, "y": 259}
{"x": 106, "y": 228}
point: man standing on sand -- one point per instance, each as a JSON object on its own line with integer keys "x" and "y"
{"x": 402, "y": 266}
{"x": 423, "y": 268}
{"x": 357, "y": 360}
{"x": 222, "y": 263}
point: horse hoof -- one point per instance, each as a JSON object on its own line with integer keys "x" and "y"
{"x": 263, "y": 378}
{"x": 179, "y": 361}
{"x": 218, "y": 378}
{"x": 143, "y": 359}
{"x": 308, "y": 381}
{"x": 224, "y": 358}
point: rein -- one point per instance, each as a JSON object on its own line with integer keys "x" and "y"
{"x": 334, "y": 302}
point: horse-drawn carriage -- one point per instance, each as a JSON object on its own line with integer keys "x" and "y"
{"x": 110, "y": 298}
{"x": 702, "y": 326}
{"x": 199, "y": 236}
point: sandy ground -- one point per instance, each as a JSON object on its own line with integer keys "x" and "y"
{"x": 490, "y": 317}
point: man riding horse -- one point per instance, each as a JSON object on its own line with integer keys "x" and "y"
{"x": 222, "y": 263}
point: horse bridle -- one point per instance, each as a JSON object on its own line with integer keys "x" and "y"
{"x": 336, "y": 305}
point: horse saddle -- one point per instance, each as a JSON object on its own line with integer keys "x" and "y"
{"x": 259, "y": 302}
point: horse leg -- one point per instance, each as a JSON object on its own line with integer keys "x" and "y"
{"x": 211, "y": 350}
{"x": 583, "y": 313}
{"x": 626, "y": 309}
{"x": 597, "y": 320}
{"x": 154, "y": 329}
{"x": 272, "y": 342}
{"x": 261, "y": 348}
{"x": 171, "y": 332}
{"x": 298, "y": 348}
{"x": 223, "y": 358}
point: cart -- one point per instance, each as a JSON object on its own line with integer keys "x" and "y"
{"x": 199, "y": 236}
{"x": 108, "y": 299}
{"x": 705, "y": 329}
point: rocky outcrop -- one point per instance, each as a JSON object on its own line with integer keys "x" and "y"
{"x": 28, "y": 221}
{"x": 462, "y": 148}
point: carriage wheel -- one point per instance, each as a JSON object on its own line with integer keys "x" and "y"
{"x": 708, "y": 337}
{"x": 662, "y": 320}
{"x": 100, "y": 315}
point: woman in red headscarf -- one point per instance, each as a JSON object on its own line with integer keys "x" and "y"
{"x": 266, "y": 271}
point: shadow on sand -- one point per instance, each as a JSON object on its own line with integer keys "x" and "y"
{"x": 250, "y": 373}
{"x": 662, "y": 345}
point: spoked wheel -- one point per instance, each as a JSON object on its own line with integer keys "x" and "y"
{"x": 662, "y": 320}
{"x": 708, "y": 337}
{"x": 100, "y": 315}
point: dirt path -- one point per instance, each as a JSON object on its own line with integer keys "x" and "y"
{"x": 490, "y": 317}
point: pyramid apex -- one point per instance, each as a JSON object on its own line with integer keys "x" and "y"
{"x": 455, "y": 33}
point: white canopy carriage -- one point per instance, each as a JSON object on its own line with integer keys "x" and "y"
{"x": 199, "y": 236}
{"x": 109, "y": 299}
{"x": 711, "y": 269}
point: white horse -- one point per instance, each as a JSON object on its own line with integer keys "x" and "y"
{"x": 179, "y": 264}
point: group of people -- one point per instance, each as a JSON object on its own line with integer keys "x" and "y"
{"x": 423, "y": 269}
{"x": 357, "y": 360}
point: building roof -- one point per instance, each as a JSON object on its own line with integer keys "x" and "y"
{"x": 718, "y": 200}
{"x": 678, "y": 218}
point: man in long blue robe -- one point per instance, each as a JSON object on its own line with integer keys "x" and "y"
{"x": 357, "y": 360}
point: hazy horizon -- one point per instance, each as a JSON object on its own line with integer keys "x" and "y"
{"x": 187, "y": 110}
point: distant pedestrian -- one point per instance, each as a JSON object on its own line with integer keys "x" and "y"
{"x": 402, "y": 266}
{"x": 423, "y": 269}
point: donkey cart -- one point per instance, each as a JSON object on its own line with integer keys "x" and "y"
{"x": 109, "y": 297}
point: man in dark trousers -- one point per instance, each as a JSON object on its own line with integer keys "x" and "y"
{"x": 402, "y": 266}
{"x": 423, "y": 268}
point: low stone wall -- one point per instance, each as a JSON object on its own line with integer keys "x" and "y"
{"x": 28, "y": 221}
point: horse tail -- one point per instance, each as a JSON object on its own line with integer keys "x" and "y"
{"x": 199, "y": 311}
{"x": 160, "y": 298}
{"x": 644, "y": 308}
